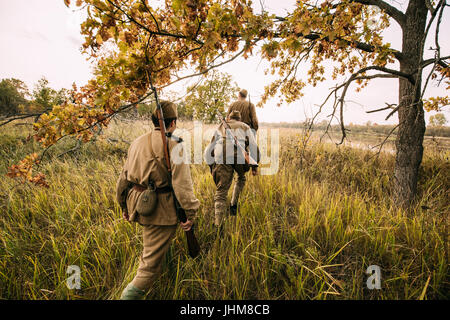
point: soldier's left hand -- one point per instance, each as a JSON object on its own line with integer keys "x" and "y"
{"x": 125, "y": 215}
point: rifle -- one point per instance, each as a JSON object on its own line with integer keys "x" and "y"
{"x": 192, "y": 243}
{"x": 248, "y": 159}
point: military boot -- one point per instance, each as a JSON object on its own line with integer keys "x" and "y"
{"x": 235, "y": 197}
{"x": 132, "y": 293}
{"x": 233, "y": 209}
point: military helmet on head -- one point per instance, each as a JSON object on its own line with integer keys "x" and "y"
{"x": 169, "y": 110}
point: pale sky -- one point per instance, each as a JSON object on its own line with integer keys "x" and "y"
{"x": 41, "y": 38}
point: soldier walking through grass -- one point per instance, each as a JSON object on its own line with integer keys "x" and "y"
{"x": 145, "y": 169}
{"x": 225, "y": 158}
{"x": 246, "y": 109}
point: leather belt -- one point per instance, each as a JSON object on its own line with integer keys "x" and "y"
{"x": 139, "y": 188}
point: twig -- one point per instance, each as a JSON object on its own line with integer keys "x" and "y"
{"x": 77, "y": 147}
{"x": 389, "y": 106}
{"x": 384, "y": 141}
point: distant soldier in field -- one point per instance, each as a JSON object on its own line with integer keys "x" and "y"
{"x": 145, "y": 168}
{"x": 246, "y": 109}
{"x": 225, "y": 158}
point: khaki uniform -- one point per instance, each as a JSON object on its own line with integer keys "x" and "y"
{"x": 160, "y": 226}
{"x": 247, "y": 111}
{"x": 223, "y": 177}
{"x": 223, "y": 164}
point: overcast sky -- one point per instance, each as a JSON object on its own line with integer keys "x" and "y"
{"x": 41, "y": 38}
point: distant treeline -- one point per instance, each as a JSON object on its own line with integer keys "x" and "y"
{"x": 17, "y": 99}
{"x": 438, "y": 131}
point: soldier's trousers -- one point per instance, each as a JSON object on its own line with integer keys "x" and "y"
{"x": 156, "y": 241}
{"x": 223, "y": 178}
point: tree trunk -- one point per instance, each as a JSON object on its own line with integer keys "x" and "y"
{"x": 411, "y": 131}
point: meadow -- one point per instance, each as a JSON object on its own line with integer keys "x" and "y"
{"x": 308, "y": 232}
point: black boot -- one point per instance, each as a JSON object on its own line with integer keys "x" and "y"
{"x": 233, "y": 210}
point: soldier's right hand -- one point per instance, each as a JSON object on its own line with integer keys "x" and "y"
{"x": 186, "y": 226}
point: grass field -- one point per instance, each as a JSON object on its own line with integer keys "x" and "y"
{"x": 308, "y": 232}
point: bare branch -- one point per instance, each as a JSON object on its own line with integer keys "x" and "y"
{"x": 357, "y": 44}
{"x": 396, "y": 14}
{"x": 392, "y": 112}
{"x": 77, "y": 147}
{"x": 389, "y": 71}
{"x": 441, "y": 62}
{"x": 430, "y": 6}
{"x": 346, "y": 85}
{"x": 340, "y": 101}
{"x": 384, "y": 141}
{"x": 422, "y": 45}
{"x": 389, "y": 106}
{"x": 344, "y": 92}
{"x": 437, "y": 50}
{"x": 151, "y": 14}
{"x": 19, "y": 117}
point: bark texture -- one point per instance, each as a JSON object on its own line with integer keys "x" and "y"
{"x": 411, "y": 131}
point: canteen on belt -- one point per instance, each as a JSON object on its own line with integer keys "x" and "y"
{"x": 146, "y": 202}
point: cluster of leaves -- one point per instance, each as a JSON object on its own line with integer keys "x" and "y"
{"x": 68, "y": 119}
{"x": 24, "y": 171}
{"x": 436, "y": 103}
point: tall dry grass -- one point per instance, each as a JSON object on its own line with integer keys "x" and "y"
{"x": 308, "y": 232}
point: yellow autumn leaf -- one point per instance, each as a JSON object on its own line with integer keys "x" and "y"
{"x": 99, "y": 39}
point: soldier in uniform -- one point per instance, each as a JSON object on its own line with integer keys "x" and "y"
{"x": 145, "y": 164}
{"x": 225, "y": 158}
{"x": 246, "y": 109}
